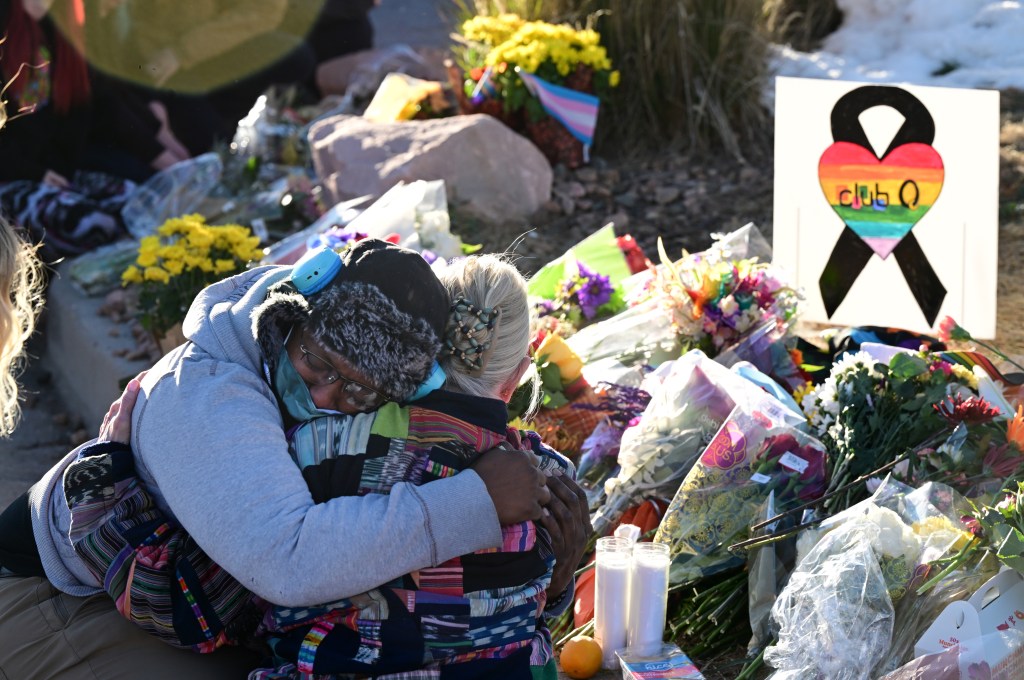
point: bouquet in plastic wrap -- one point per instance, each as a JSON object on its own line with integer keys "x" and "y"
{"x": 642, "y": 334}
{"x": 664, "y": 299}
{"x": 837, "y": 615}
{"x": 694, "y": 398}
{"x": 713, "y": 300}
{"x": 754, "y": 453}
{"x": 585, "y": 284}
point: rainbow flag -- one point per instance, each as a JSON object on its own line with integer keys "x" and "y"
{"x": 577, "y": 111}
{"x": 969, "y": 360}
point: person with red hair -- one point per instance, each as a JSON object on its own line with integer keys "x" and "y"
{"x": 49, "y": 90}
{"x": 60, "y": 176}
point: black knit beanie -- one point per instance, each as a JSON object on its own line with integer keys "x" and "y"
{"x": 384, "y": 312}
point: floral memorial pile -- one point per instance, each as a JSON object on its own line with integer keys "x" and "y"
{"x": 822, "y": 505}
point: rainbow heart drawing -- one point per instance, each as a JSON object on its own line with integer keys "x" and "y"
{"x": 881, "y": 199}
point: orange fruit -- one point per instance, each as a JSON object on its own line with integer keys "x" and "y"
{"x": 580, "y": 657}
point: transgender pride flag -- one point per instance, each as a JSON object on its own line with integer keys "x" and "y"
{"x": 577, "y": 111}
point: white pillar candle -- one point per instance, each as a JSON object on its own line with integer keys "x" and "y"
{"x": 648, "y": 597}
{"x": 611, "y": 593}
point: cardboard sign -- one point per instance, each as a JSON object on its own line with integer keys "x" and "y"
{"x": 886, "y": 202}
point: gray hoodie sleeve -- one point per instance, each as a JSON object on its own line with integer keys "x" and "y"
{"x": 208, "y": 439}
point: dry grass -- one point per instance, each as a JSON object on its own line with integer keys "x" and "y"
{"x": 801, "y": 23}
{"x": 695, "y": 71}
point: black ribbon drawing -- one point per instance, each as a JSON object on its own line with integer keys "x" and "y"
{"x": 851, "y": 254}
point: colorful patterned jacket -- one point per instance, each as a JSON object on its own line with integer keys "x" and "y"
{"x": 161, "y": 579}
{"x": 474, "y": 611}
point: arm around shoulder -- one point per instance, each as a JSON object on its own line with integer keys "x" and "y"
{"x": 210, "y": 437}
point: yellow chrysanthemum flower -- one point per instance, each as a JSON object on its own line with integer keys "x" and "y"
{"x": 156, "y": 274}
{"x": 146, "y": 259}
{"x": 172, "y": 252}
{"x": 149, "y": 244}
{"x": 802, "y": 391}
{"x": 131, "y": 275}
{"x": 193, "y": 261}
{"x": 613, "y": 78}
{"x": 220, "y": 266}
{"x": 964, "y": 376}
{"x": 199, "y": 237}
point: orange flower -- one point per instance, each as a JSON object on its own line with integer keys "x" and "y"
{"x": 1015, "y": 429}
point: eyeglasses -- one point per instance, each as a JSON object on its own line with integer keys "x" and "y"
{"x": 326, "y": 374}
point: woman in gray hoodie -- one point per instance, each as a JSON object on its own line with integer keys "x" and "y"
{"x": 208, "y": 436}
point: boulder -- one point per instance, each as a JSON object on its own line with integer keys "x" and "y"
{"x": 489, "y": 171}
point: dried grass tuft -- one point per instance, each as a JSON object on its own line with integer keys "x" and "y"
{"x": 801, "y": 23}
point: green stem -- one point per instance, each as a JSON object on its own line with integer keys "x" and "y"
{"x": 581, "y": 630}
{"x": 997, "y": 353}
{"x": 752, "y": 667}
{"x": 585, "y": 568}
{"x": 957, "y": 562}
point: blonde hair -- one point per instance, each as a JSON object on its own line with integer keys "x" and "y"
{"x": 21, "y": 293}
{"x": 488, "y": 281}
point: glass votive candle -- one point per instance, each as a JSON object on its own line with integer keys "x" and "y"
{"x": 611, "y": 596}
{"x": 648, "y": 597}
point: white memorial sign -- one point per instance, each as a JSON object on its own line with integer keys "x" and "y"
{"x": 886, "y": 202}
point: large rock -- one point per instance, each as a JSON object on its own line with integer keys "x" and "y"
{"x": 488, "y": 170}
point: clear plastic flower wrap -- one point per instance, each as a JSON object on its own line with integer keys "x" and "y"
{"x": 768, "y": 570}
{"x": 915, "y": 613}
{"x": 835, "y": 616}
{"x": 852, "y": 569}
{"x": 694, "y": 398}
{"x": 754, "y": 453}
{"x": 641, "y": 333}
{"x": 173, "y": 192}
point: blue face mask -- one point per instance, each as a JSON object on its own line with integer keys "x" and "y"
{"x": 291, "y": 389}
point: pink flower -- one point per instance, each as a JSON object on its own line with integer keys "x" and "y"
{"x": 951, "y": 330}
{"x": 972, "y": 525}
{"x": 1002, "y": 461}
{"x": 979, "y": 671}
